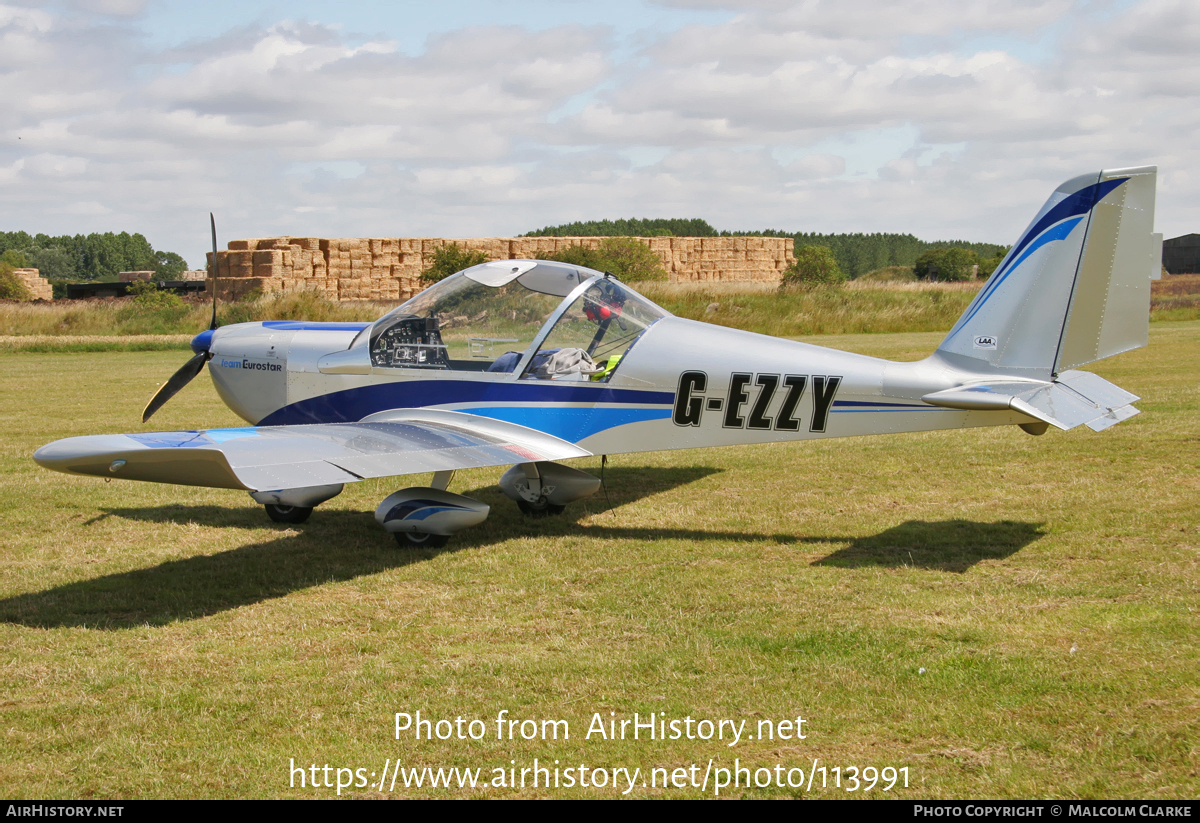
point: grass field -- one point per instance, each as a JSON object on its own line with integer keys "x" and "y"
{"x": 1002, "y": 615}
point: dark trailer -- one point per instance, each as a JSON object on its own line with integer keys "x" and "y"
{"x": 77, "y": 291}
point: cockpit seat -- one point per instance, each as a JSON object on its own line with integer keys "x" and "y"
{"x": 506, "y": 362}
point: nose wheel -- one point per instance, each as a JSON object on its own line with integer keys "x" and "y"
{"x": 287, "y": 514}
{"x": 420, "y": 540}
{"x": 540, "y": 508}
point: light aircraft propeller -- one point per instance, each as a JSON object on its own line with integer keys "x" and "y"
{"x": 200, "y": 345}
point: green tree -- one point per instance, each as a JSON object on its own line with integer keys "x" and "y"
{"x": 168, "y": 265}
{"x": 11, "y": 287}
{"x": 580, "y": 256}
{"x": 631, "y": 260}
{"x": 54, "y": 263}
{"x": 814, "y": 266}
{"x": 448, "y": 259}
{"x": 990, "y": 264}
{"x": 628, "y": 258}
{"x": 948, "y": 265}
{"x": 148, "y": 295}
{"x": 633, "y": 227}
{"x": 14, "y": 258}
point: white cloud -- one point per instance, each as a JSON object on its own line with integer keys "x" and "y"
{"x": 856, "y": 116}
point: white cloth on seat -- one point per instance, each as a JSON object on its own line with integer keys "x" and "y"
{"x": 567, "y": 362}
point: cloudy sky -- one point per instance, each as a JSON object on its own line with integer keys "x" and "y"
{"x": 466, "y": 118}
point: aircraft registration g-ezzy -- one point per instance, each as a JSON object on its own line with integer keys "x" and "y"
{"x": 524, "y": 363}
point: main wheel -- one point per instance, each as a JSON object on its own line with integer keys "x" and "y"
{"x": 421, "y": 540}
{"x": 288, "y": 514}
{"x": 542, "y": 508}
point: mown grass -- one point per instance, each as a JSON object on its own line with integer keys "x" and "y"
{"x": 1008, "y": 616}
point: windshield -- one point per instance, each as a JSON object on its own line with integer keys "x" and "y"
{"x": 475, "y": 317}
{"x": 604, "y": 322}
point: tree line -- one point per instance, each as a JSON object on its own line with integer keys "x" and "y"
{"x": 85, "y": 258}
{"x": 856, "y": 253}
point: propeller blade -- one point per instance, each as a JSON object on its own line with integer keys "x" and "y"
{"x": 216, "y": 270}
{"x": 178, "y": 380}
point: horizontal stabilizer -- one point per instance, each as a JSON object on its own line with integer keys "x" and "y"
{"x": 287, "y": 457}
{"x": 1075, "y": 398}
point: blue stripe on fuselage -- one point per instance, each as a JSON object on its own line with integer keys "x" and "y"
{"x": 352, "y": 405}
{"x": 570, "y": 424}
{"x": 312, "y": 325}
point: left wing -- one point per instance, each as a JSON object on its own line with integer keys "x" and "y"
{"x": 404, "y": 441}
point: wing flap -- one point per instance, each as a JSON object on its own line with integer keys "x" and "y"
{"x": 283, "y": 457}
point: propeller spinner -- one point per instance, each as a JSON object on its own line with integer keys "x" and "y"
{"x": 201, "y": 345}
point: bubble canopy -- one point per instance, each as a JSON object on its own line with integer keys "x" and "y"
{"x": 501, "y": 316}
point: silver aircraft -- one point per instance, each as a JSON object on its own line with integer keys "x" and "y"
{"x": 525, "y": 363}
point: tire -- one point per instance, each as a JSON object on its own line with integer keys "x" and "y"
{"x": 539, "y": 509}
{"x": 420, "y": 540}
{"x": 288, "y": 514}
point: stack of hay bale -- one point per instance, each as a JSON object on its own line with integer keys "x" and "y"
{"x": 39, "y": 287}
{"x": 390, "y": 268}
{"x": 688, "y": 259}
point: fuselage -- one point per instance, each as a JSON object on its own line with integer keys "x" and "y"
{"x": 683, "y": 384}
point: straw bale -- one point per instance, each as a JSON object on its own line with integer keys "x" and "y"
{"x": 242, "y": 287}
{"x": 39, "y": 287}
{"x": 392, "y": 265}
{"x": 222, "y": 263}
{"x": 496, "y": 248}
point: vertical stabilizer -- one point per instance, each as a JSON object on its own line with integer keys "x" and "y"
{"x": 1074, "y": 288}
{"x": 1110, "y": 301}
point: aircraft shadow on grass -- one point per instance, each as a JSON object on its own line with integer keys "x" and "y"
{"x": 341, "y": 545}
{"x": 946, "y": 545}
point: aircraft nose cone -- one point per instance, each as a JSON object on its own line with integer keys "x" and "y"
{"x": 202, "y": 342}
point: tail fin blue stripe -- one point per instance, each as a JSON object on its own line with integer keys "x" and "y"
{"x": 1056, "y": 233}
{"x": 1079, "y": 203}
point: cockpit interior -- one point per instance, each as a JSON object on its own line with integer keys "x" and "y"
{"x": 538, "y": 319}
